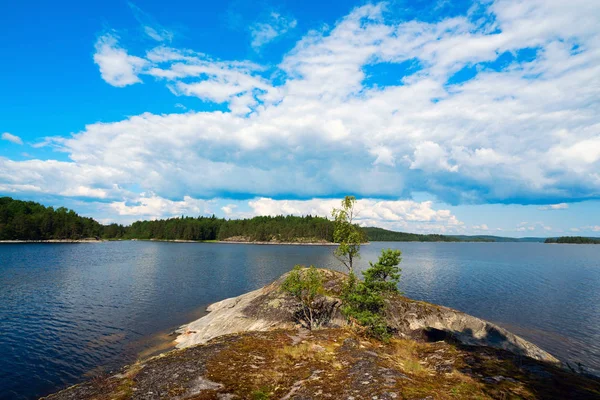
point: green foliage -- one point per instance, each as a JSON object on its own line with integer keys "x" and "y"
{"x": 573, "y": 240}
{"x": 27, "y": 220}
{"x": 384, "y": 275}
{"x": 365, "y": 306}
{"x": 280, "y": 228}
{"x": 20, "y": 220}
{"x": 184, "y": 228}
{"x": 364, "y": 300}
{"x": 260, "y": 394}
{"x": 346, "y": 233}
{"x": 306, "y": 285}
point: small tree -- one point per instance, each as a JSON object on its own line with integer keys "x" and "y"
{"x": 346, "y": 233}
{"x": 364, "y": 300}
{"x": 306, "y": 285}
{"x": 384, "y": 275}
{"x": 365, "y": 306}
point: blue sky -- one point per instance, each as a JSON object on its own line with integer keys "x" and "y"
{"x": 462, "y": 117}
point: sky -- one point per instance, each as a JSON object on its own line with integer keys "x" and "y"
{"x": 456, "y": 117}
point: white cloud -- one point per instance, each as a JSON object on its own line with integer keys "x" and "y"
{"x": 384, "y": 156}
{"x": 229, "y": 209}
{"x": 524, "y": 134}
{"x": 151, "y": 206}
{"x": 116, "y": 66}
{"x": 589, "y": 228}
{"x": 369, "y": 212}
{"x": 9, "y": 137}
{"x": 538, "y": 227}
{"x": 430, "y": 156}
{"x": 482, "y": 227}
{"x": 267, "y": 31}
{"x": 159, "y": 36}
{"x": 559, "y": 206}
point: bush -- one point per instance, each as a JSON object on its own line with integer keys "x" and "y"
{"x": 384, "y": 275}
{"x": 364, "y": 300}
{"x": 306, "y": 285}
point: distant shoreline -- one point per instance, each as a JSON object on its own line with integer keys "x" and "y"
{"x": 54, "y": 241}
{"x": 276, "y": 243}
{"x": 262, "y": 243}
{"x": 162, "y": 240}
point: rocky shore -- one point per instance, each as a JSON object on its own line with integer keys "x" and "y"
{"x": 249, "y": 347}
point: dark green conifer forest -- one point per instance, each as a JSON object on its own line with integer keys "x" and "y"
{"x": 27, "y": 220}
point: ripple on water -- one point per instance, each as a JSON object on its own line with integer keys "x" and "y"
{"x": 71, "y": 310}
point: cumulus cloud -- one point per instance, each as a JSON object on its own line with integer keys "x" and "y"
{"x": 116, "y": 66}
{"x": 9, "y": 137}
{"x": 267, "y": 31}
{"x": 150, "y": 206}
{"x": 404, "y": 215}
{"x": 525, "y": 132}
{"x": 398, "y": 213}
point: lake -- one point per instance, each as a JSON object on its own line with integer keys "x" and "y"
{"x": 68, "y": 311}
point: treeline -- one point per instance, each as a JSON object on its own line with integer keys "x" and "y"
{"x": 28, "y": 220}
{"x": 383, "y": 235}
{"x": 20, "y": 220}
{"x": 184, "y": 228}
{"x": 280, "y": 228}
{"x": 573, "y": 240}
{"x": 264, "y": 229}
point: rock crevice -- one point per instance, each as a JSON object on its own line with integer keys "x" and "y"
{"x": 270, "y": 308}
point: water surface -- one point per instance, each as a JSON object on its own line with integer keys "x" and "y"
{"x": 68, "y": 311}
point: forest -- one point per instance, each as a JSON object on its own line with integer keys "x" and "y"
{"x": 26, "y": 220}
{"x": 573, "y": 240}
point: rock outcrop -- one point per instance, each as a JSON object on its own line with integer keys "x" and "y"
{"x": 260, "y": 310}
{"x": 334, "y": 363}
{"x": 270, "y": 308}
{"x": 249, "y": 347}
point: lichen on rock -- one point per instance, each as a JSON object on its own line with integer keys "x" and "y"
{"x": 249, "y": 347}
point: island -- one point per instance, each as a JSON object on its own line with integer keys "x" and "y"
{"x": 253, "y": 347}
{"x": 573, "y": 240}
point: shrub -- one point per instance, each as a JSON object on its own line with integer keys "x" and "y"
{"x": 384, "y": 275}
{"x": 306, "y": 285}
{"x": 364, "y": 300}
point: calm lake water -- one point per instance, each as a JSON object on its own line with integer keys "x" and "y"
{"x": 69, "y": 310}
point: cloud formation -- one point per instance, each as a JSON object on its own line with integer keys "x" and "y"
{"x": 503, "y": 108}
{"x": 267, "y": 31}
{"x": 116, "y": 66}
{"x": 399, "y": 214}
{"x": 9, "y": 137}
